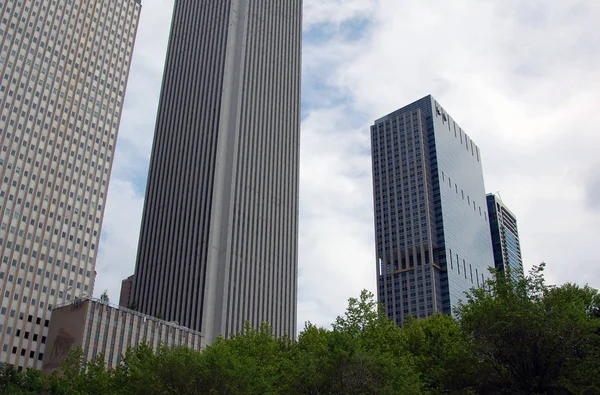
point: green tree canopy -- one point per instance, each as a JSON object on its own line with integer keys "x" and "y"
{"x": 529, "y": 337}
{"x": 523, "y": 337}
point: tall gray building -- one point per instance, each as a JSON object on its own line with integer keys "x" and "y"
{"x": 218, "y": 242}
{"x": 63, "y": 72}
{"x": 505, "y": 238}
{"x": 431, "y": 226}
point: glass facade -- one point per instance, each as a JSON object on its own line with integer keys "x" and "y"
{"x": 505, "y": 238}
{"x": 432, "y": 236}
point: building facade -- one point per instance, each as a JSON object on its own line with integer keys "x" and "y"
{"x": 125, "y": 296}
{"x": 505, "y": 238}
{"x": 101, "y": 329}
{"x": 431, "y": 224}
{"x": 218, "y": 241}
{"x": 63, "y": 72}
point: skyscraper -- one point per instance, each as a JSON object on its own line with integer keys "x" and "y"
{"x": 218, "y": 241}
{"x": 63, "y": 73}
{"x": 431, "y": 231}
{"x": 505, "y": 238}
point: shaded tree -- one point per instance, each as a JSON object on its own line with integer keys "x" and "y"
{"x": 369, "y": 352}
{"x": 442, "y": 354}
{"x": 523, "y": 337}
{"x": 13, "y": 381}
{"x": 532, "y": 338}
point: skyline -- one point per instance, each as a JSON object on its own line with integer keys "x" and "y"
{"x": 499, "y": 60}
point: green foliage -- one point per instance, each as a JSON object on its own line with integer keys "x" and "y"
{"x": 522, "y": 337}
{"x": 442, "y": 354}
{"x": 76, "y": 376}
{"x": 370, "y": 353}
{"x": 363, "y": 354}
{"x": 104, "y": 297}
{"x": 532, "y": 338}
{"x": 14, "y": 382}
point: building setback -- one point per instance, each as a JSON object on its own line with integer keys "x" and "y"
{"x": 63, "y": 72}
{"x": 218, "y": 241}
{"x": 505, "y": 238}
{"x": 102, "y": 329}
{"x": 431, "y": 231}
{"x": 125, "y": 296}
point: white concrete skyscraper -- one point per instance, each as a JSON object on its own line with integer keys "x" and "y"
{"x": 63, "y": 72}
{"x": 218, "y": 243}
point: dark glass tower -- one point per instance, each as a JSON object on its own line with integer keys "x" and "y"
{"x": 505, "y": 238}
{"x": 218, "y": 242}
{"x": 432, "y": 236}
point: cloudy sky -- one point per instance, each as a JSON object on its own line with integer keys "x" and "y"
{"x": 522, "y": 78}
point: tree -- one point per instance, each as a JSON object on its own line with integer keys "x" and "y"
{"x": 104, "y": 297}
{"x": 249, "y": 362}
{"x": 442, "y": 354}
{"x": 306, "y": 370}
{"x": 369, "y": 352}
{"x": 521, "y": 337}
{"x": 13, "y": 381}
{"x": 137, "y": 374}
{"x": 532, "y": 338}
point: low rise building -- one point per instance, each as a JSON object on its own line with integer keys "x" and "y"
{"x": 101, "y": 328}
{"x": 125, "y": 297}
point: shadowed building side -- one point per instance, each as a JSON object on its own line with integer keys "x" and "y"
{"x": 169, "y": 278}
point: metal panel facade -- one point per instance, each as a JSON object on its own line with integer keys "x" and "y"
{"x": 218, "y": 244}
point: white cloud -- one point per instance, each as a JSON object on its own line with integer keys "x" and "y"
{"x": 335, "y": 11}
{"x": 336, "y": 224}
{"x": 120, "y": 230}
{"x": 522, "y": 78}
{"x": 524, "y": 82}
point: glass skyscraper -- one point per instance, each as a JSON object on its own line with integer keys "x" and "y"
{"x": 63, "y": 72}
{"x": 431, "y": 224}
{"x": 505, "y": 238}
